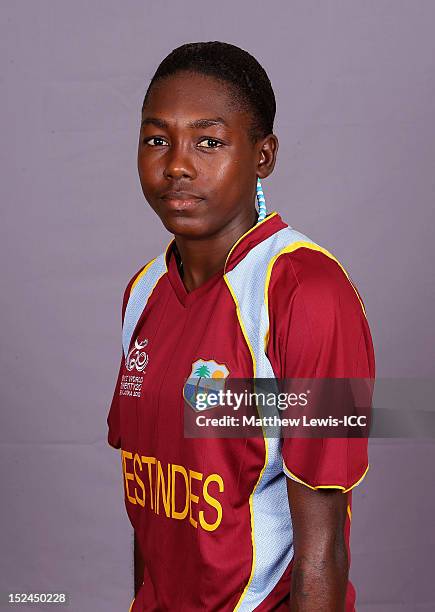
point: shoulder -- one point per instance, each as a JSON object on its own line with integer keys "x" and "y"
{"x": 317, "y": 320}
{"x": 133, "y": 281}
{"x": 314, "y": 276}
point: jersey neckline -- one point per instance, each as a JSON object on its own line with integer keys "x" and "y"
{"x": 253, "y": 236}
{"x": 187, "y": 297}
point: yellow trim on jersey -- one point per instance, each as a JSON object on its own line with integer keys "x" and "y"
{"x": 141, "y": 273}
{"x": 349, "y": 512}
{"x": 254, "y": 552}
{"x": 166, "y": 251}
{"x": 145, "y": 268}
{"x": 334, "y": 486}
{"x": 289, "y": 249}
{"x": 246, "y": 233}
{"x": 242, "y": 326}
{"x": 131, "y": 605}
{"x": 266, "y": 449}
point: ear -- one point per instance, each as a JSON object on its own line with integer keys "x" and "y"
{"x": 267, "y": 152}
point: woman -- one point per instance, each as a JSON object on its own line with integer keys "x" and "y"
{"x": 230, "y": 524}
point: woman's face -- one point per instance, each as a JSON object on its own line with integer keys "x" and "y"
{"x": 197, "y": 165}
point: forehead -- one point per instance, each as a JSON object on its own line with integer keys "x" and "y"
{"x": 186, "y": 96}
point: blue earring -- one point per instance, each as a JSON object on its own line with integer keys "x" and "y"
{"x": 261, "y": 202}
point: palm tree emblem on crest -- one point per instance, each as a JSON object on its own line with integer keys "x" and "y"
{"x": 202, "y": 372}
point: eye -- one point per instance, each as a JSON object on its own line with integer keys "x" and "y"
{"x": 158, "y": 141}
{"x": 211, "y": 143}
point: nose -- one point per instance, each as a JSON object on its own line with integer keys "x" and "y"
{"x": 179, "y": 163}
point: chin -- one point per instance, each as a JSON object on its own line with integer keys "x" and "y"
{"x": 185, "y": 225}
{"x": 188, "y": 223}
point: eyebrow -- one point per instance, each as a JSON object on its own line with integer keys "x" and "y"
{"x": 197, "y": 124}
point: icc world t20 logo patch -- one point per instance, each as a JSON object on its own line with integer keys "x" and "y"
{"x": 205, "y": 377}
{"x": 135, "y": 362}
{"x": 137, "y": 359}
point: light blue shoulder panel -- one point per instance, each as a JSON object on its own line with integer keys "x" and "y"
{"x": 272, "y": 525}
{"x": 139, "y": 298}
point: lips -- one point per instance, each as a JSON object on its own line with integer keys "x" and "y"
{"x": 180, "y": 196}
{"x": 180, "y": 200}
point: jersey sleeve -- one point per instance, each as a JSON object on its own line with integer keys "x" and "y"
{"x": 113, "y": 418}
{"x": 318, "y": 329}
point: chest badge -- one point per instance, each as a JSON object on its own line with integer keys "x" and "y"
{"x": 205, "y": 377}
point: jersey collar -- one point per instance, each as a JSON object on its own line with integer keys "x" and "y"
{"x": 262, "y": 230}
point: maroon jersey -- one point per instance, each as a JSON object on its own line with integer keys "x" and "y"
{"x": 192, "y": 502}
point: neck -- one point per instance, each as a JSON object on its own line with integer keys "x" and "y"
{"x": 201, "y": 259}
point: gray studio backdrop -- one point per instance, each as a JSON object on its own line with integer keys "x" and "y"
{"x": 355, "y": 88}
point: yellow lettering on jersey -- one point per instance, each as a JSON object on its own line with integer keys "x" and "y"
{"x": 150, "y": 461}
{"x": 127, "y": 475}
{"x": 212, "y": 502}
{"x": 172, "y": 486}
{"x": 140, "y": 500}
{"x": 179, "y": 469}
{"x": 192, "y": 497}
{"x": 165, "y": 491}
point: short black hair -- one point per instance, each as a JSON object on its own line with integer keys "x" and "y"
{"x": 251, "y": 88}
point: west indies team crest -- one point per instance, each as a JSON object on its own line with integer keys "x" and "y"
{"x": 205, "y": 377}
